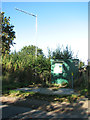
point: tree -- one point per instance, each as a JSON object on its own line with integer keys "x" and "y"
{"x": 49, "y": 52}
{"x": 62, "y": 54}
{"x": 30, "y": 50}
{"x": 67, "y": 53}
{"x": 81, "y": 64}
{"x": 8, "y": 34}
{"x": 57, "y": 54}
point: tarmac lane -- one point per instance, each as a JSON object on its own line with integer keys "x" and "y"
{"x": 10, "y": 111}
{"x": 16, "y": 112}
{"x": 14, "y": 108}
{"x": 49, "y": 91}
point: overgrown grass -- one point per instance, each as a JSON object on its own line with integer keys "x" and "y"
{"x": 9, "y": 89}
{"x": 51, "y": 98}
{"x": 83, "y": 91}
{"x": 14, "y": 93}
{"x": 6, "y": 87}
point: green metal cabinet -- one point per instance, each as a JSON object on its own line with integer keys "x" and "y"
{"x": 64, "y": 70}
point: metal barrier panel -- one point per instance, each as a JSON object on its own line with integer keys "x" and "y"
{"x": 64, "y": 70}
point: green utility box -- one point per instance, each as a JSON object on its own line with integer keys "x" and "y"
{"x": 62, "y": 71}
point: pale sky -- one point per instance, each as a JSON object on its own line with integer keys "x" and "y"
{"x": 58, "y": 23}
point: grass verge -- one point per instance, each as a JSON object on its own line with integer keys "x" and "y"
{"x": 50, "y": 98}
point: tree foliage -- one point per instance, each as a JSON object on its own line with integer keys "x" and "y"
{"x": 24, "y": 65}
{"x": 8, "y": 33}
{"x": 66, "y": 53}
{"x": 31, "y": 50}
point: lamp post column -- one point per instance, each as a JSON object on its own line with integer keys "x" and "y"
{"x": 36, "y": 49}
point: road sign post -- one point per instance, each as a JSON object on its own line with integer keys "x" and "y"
{"x": 72, "y": 79}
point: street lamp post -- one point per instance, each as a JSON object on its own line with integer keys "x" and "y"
{"x": 36, "y": 25}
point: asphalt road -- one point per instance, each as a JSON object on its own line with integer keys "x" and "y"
{"x": 10, "y": 111}
{"x": 49, "y": 91}
{"x": 21, "y": 109}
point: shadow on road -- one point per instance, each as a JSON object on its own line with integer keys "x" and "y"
{"x": 33, "y": 108}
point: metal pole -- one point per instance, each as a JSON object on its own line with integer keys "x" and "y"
{"x": 72, "y": 80}
{"x": 36, "y": 36}
{"x": 36, "y": 25}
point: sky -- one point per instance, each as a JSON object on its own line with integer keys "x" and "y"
{"x": 58, "y": 23}
{"x": 44, "y": 0}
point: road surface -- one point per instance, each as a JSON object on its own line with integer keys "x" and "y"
{"x": 22, "y": 109}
